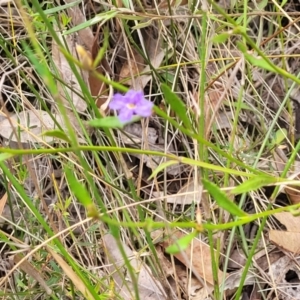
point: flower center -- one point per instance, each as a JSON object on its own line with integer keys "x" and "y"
{"x": 130, "y": 105}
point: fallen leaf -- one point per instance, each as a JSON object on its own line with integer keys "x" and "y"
{"x": 185, "y": 196}
{"x": 141, "y": 81}
{"x": 98, "y": 88}
{"x": 278, "y": 272}
{"x": 234, "y": 278}
{"x": 290, "y": 221}
{"x": 3, "y": 203}
{"x": 30, "y": 270}
{"x": 149, "y": 288}
{"x": 133, "y": 134}
{"x": 201, "y": 265}
{"x": 133, "y": 65}
{"x": 68, "y": 271}
{"x": 148, "y": 138}
{"x": 177, "y": 274}
{"x": 77, "y": 17}
{"x": 223, "y": 120}
{"x": 71, "y": 89}
{"x": 28, "y": 126}
{"x": 197, "y": 256}
{"x": 293, "y": 193}
{"x": 288, "y": 240}
{"x": 156, "y": 54}
{"x": 237, "y": 259}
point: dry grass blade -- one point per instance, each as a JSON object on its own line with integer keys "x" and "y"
{"x": 233, "y": 109}
{"x": 70, "y": 273}
{"x": 72, "y": 89}
{"x": 29, "y": 127}
{"x": 149, "y": 288}
{"x": 33, "y": 272}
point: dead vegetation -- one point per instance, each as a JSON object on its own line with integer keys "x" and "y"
{"x": 245, "y": 120}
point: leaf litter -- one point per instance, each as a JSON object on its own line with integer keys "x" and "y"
{"x": 148, "y": 287}
{"x": 223, "y": 93}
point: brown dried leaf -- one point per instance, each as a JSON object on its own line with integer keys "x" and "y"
{"x": 290, "y": 221}
{"x": 234, "y": 278}
{"x": 77, "y": 17}
{"x": 70, "y": 273}
{"x": 149, "y": 139}
{"x": 177, "y": 274}
{"x": 156, "y": 55}
{"x": 186, "y": 195}
{"x": 237, "y": 259}
{"x": 141, "y": 81}
{"x": 288, "y": 289}
{"x": 200, "y": 254}
{"x": 29, "y": 269}
{"x": 290, "y": 239}
{"x": 149, "y": 288}
{"x": 135, "y": 134}
{"x": 133, "y": 66}
{"x": 29, "y": 126}
{"x": 3, "y": 203}
{"x": 293, "y": 193}
{"x": 98, "y": 88}
{"x": 90, "y": 42}
{"x": 66, "y": 74}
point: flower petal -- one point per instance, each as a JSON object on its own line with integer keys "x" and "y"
{"x": 144, "y": 108}
{"x": 132, "y": 97}
{"x": 125, "y": 115}
{"x": 117, "y": 102}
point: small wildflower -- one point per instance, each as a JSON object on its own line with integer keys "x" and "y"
{"x": 131, "y": 104}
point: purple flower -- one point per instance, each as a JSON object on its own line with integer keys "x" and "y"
{"x": 131, "y": 104}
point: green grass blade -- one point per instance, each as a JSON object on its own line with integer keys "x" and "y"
{"x": 176, "y": 105}
{"x": 222, "y": 200}
{"x": 253, "y": 184}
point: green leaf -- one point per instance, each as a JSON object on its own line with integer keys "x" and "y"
{"x": 220, "y": 38}
{"x": 176, "y": 105}
{"x": 282, "y": 3}
{"x": 142, "y": 25}
{"x": 5, "y": 156}
{"x": 242, "y": 47}
{"x": 262, "y": 4}
{"x": 103, "y": 17}
{"x": 162, "y": 166}
{"x": 280, "y": 136}
{"x": 58, "y": 8}
{"x": 222, "y": 199}
{"x": 126, "y": 3}
{"x": 182, "y": 243}
{"x": 57, "y": 134}
{"x": 253, "y": 184}
{"x": 77, "y": 188}
{"x": 240, "y": 105}
{"x": 107, "y": 122}
{"x": 169, "y": 77}
{"x": 42, "y": 69}
{"x": 255, "y": 61}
